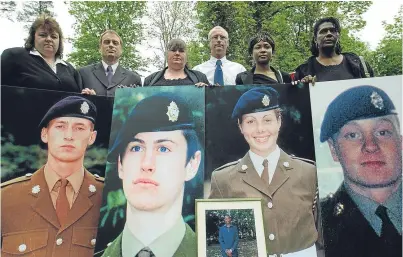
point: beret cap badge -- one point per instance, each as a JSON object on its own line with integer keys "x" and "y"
{"x": 84, "y": 107}
{"x": 377, "y": 100}
{"x": 266, "y": 100}
{"x": 173, "y": 112}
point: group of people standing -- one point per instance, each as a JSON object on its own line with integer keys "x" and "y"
{"x": 39, "y": 63}
{"x": 286, "y": 184}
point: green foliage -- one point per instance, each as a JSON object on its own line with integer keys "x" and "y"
{"x": 290, "y": 24}
{"x": 94, "y": 17}
{"x": 17, "y": 160}
{"x": 387, "y": 58}
{"x": 242, "y": 218}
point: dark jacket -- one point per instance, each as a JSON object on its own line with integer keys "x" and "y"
{"x": 19, "y": 68}
{"x": 246, "y": 77}
{"x": 94, "y": 77}
{"x": 346, "y": 231}
{"x": 194, "y": 75}
{"x": 352, "y": 59}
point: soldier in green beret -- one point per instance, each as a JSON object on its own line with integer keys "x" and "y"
{"x": 156, "y": 151}
{"x": 55, "y": 210}
{"x": 286, "y": 184}
{"x": 364, "y": 216}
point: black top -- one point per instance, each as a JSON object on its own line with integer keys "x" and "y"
{"x": 332, "y": 72}
{"x": 173, "y": 82}
{"x": 263, "y": 79}
{"x": 249, "y": 78}
{"x": 193, "y": 75}
{"x": 19, "y": 68}
{"x": 352, "y": 60}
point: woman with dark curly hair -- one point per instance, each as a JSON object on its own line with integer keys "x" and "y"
{"x": 38, "y": 64}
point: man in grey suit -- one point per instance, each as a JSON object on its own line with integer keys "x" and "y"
{"x": 104, "y": 77}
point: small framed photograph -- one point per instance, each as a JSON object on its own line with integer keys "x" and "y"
{"x": 230, "y": 228}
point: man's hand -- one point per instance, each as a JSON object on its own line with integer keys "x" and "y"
{"x": 87, "y": 91}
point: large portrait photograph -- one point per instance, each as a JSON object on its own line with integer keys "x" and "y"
{"x": 230, "y": 228}
{"x": 22, "y": 149}
{"x": 358, "y": 144}
{"x": 259, "y": 144}
{"x": 155, "y": 172}
{"x": 53, "y": 157}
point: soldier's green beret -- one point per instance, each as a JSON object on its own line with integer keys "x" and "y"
{"x": 258, "y": 99}
{"x": 71, "y": 106}
{"x": 356, "y": 103}
{"x": 160, "y": 112}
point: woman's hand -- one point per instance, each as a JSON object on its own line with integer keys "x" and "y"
{"x": 87, "y": 91}
{"x": 201, "y": 84}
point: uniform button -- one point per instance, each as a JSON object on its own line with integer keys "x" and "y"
{"x": 59, "y": 241}
{"x": 270, "y": 205}
{"x": 93, "y": 241}
{"x": 271, "y": 237}
{"x": 22, "y": 248}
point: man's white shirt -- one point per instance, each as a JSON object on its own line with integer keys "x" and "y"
{"x": 230, "y": 70}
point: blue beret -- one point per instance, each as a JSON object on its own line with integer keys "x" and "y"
{"x": 258, "y": 99}
{"x": 71, "y": 106}
{"x": 160, "y": 112}
{"x": 356, "y": 103}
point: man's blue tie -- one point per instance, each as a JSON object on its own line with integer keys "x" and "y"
{"x": 218, "y": 75}
{"x": 109, "y": 74}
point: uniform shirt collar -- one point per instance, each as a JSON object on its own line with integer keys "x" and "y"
{"x": 58, "y": 60}
{"x": 114, "y": 66}
{"x": 272, "y": 158}
{"x": 164, "y": 245}
{"x": 75, "y": 179}
{"x": 368, "y": 207}
{"x": 214, "y": 60}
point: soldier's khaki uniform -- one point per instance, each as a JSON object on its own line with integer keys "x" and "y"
{"x": 29, "y": 224}
{"x": 289, "y": 202}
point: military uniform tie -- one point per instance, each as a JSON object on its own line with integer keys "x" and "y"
{"x": 145, "y": 252}
{"x": 392, "y": 240}
{"x": 265, "y": 173}
{"x": 109, "y": 72}
{"x": 388, "y": 233}
{"x": 62, "y": 204}
{"x": 218, "y": 74}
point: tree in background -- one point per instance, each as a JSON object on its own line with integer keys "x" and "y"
{"x": 169, "y": 20}
{"x": 32, "y": 9}
{"x": 387, "y": 58}
{"x": 290, "y": 23}
{"x": 7, "y": 9}
{"x": 92, "y": 18}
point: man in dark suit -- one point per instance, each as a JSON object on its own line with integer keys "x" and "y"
{"x": 104, "y": 77}
{"x": 55, "y": 210}
{"x": 364, "y": 216}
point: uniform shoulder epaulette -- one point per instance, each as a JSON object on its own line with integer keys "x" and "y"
{"x": 16, "y": 180}
{"x": 303, "y": 159}
{"x": 227, "y": 165}
{"x": 99, "y": 178}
